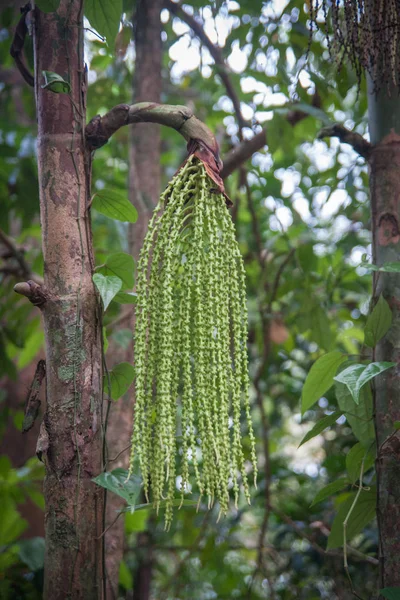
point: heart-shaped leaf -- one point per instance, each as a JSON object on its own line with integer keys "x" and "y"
{"x": 121, "y": 378}
{"x": 120, "y": 265}
{"x": 108, "y": 287}
{"x": 358, "y": 375}
{"x": 114, "y": 204}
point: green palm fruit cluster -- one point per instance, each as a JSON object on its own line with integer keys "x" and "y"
{"x": 190, "y": 348}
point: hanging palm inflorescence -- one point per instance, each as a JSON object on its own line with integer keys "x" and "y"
{"x": 190, "y": 347}
{"x": 367, "y": 32}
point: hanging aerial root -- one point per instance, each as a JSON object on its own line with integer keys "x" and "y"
{"x": 190, "y": 349}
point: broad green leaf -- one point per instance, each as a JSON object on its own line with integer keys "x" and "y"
{"x": 320, "y": 426}
{"x": 108, "y": 287}
{"x": 320, "y": 378}
{"x": 125, "y": 298}
{"x": 55, "y": 83}
{"x": 378, "y": 323}
{"x": 117, "y": 482}
{"x": 177, "y": 502}
{"x": 330, "y": 489}
{"x": 359, "y": 416}
{"x": 121, "y": 378}
{"x": 104, "y": 16}
{"x": 320, "y": 327}
{"x": 136, "y": 521}
{"x": 362, "y": 514}
{"x": 47, "y": 6}
{"x": 358, "y": 375}
{"x": 391, "y": 593}
{"x": 31, "y": 552}
{"x": 12, "y": 524}
{"x": 114, "y": 204}
{"x": 121, "y": 265}
{"x": 390, "y": 267}
{"x": 125, "y": 576}
{"x": 354, "y": 458}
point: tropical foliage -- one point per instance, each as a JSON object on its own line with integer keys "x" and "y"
{"x": 301, "y": 215}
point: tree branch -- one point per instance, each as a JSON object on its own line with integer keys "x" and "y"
{"x": 357, "y": 555}
{"x": 180, "y": 118}
{"x": 37, "y": 294}
{"x": 18, "y": 44}
{"x": 243, "y": 152}
{"x": 355, "y": 140}
{"x": 215, "y": 51}
{"x": 32, "y": 403}
{"x": 201, "y": 140}
{"x": 14, "y": 252}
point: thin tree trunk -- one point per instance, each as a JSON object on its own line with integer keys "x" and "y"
{"x": 71, "y": 433}
{"x": 145, "y": 151}
{"x": 144, "y": 190}
{"x": 384, "y": 126}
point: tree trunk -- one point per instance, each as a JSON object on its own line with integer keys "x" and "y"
{"x": 145, "y": 168}
{"x": 144, "y": 190}
{"x": 71, "y": 435}
{"x": 384, "y": 126}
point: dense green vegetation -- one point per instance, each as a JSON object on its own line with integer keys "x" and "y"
{"x": 302, "y": 217}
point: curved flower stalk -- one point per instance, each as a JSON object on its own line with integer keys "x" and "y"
{"x": 190, "y": 347}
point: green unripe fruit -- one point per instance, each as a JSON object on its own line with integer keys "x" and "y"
{"x": 190, "y": 347}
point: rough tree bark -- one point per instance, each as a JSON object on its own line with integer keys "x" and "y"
{"x": 70, "y": 441}
{"x": 384, "y": 163}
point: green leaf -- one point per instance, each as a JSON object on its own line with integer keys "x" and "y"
{"x": 125, "y": 298}
{"x": 121, "y": 378}
{"x": 31, "y": 552}
{"x": 55, "y": 83}
{"x": 104, "y": 17}
{"x": 378, "y": 323}
{"x": 48, "y": 6}
{"x": 390, "y": 267}
{"x": 115, "y": 205}
{"x": 125, "y": 576}
{"x": 359, "y": 416}
{"x": 354, "y": 458}
{"x": 121, "y": 265}
{"x": 136, "y": 521}
{"x": 117, "y": 482}
{"x": 320, "y": 327}
{"x": 330, "y": 489}
{"x": 391, "y": 593}
{"x": 358, "y": 375}
{"x": 320, "y": 378}
{"x": 361, "y": 515}
{"x": 12, "y": 524}
{"x": 320, "y": 426}
{"x": 108, "y": 287}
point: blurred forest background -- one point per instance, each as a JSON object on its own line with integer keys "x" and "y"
{"x": 301, "y": 210}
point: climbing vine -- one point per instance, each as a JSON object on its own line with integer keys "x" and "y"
{"x": 190, "y": 348}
